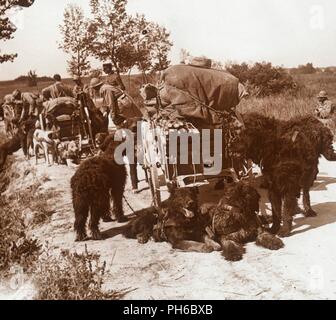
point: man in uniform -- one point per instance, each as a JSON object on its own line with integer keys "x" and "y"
{"x": 325, "y": 107}
{"x": 28, "y": 101}
{"x": 110, "y": 95}
{"x": 112, "y": 78}
{"x": 122, "y": 117}
{"x": 57, "y": 90}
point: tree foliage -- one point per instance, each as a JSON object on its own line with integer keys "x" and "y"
{"x": 305, "y": 69}
{"x": 152, "y": 45}
{"x": 263, "y": 78}
{"x": 76, "y": 40}
{"x": 32, "y": 78}
{"x": 127, "y": 41}
{"x": 7, "y": 28}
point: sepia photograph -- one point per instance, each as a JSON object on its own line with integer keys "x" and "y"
{"x": 162, "y": 150}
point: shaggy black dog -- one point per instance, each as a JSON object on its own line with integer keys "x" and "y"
{"x": 94, "y": 182}
{"x": 18, "y": 141}
{"x": 8, "y": 148}
{"x": 288, "y": 153}
{"x": 234, "y": 221}
{"x": 178, "y": 224}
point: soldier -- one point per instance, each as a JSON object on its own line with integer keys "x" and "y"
{"x": 325, "y": 107}
{"x": 110, "y": 95}
{"x": 27, "y": 101}
{"x": 112, "y": 78}
{"x": 57, "y": 90}
{"x": 123, "y": 117}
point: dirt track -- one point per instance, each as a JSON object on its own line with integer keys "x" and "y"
{"x": 304, "y": 269}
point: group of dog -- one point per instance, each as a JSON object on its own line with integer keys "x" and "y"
{"x": 32, "y": 139}
{"x": 287, "y": 152}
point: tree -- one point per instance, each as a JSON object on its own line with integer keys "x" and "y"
{"x": 76, "y": 40}
{"x": 7, "y": 28}
{"x": 111, "y": 27}
{"x": 127, "y": 41}
{"x": 184, "y": 56}
{"x": 153, "y": 45}
{"x": 263, "y": 78}
{"x": 32, "y": 78}
{"x": 306, "y": 69}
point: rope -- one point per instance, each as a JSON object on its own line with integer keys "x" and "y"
{"x": 129, "y": 205}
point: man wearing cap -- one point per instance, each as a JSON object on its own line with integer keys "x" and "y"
{"x": 325, "y": 107}
{"x": 57, "y": 90}
{"x": 110, "y": 95}
{"x": 125, "y": 116}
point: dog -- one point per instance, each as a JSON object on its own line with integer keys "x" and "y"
{"x": 18, "y": 141}
{"x": 12, "y": 145}
{"x": 100, "y": 139}
{"x": 68, "y": 153}
{"x": 288, "y": 153}
{"x": 177, "y": 224}
{"x": 43, "y": 140}
{"x": 234, "y": 221}
{"x": 103, "y": 139}
{"x": 94, "y": 182}
{"x": 28, "y": 128}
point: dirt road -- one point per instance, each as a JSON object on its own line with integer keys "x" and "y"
{"x": 304, "y": 269}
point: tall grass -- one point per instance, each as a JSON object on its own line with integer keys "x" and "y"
{"x": 281, "y": 107}
{"x": 71, "y": 276}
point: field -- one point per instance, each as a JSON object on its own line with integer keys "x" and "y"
{"x": 282, "y": 106}
{"x": 132, "y": 83}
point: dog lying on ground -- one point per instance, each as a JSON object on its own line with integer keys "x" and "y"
{"x": 42, "y": 140}
{"x": 234, "y": 221}
{"x": 95, "y": 181}
{"x": 68, "y": 153}
{"x": 288, "y": 153}
{"x": 177, "y": 224}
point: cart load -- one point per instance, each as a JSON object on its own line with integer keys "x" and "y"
{"x": 199, "y": 94}
{"x": 64, "y": 106}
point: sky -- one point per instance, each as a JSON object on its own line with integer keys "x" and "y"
{"x": 284, "y": 32}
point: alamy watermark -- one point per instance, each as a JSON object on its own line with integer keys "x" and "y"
{"x": 173, "y": 147}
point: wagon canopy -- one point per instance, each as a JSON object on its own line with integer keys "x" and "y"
{"x": 60, "y": 107}
{"x": 186, "y": 90}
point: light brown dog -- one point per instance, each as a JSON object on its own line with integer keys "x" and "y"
{"x": 42, "y": 140}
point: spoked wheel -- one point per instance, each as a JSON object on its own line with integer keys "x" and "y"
{"x": 150, "y": 162}
{"x": 153, "y": 179}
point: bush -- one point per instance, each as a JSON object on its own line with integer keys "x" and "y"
{"x": 71, "y": 276}
{"x": 263, "y": 79}
{"x": 15, "y": 246}
{"x": 305, "y": 69}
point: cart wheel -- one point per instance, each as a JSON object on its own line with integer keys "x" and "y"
{"x": 154, "y": 186}
{"x": 149, "y": 155}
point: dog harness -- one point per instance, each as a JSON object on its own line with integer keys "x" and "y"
{"x": 217, "y": 226}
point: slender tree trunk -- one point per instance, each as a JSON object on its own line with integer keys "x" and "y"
{"x": 122, "y": 86}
